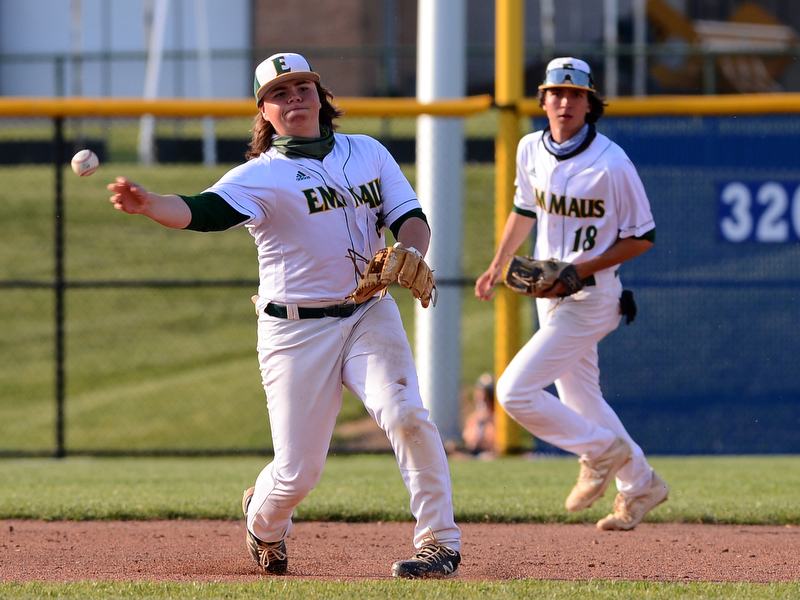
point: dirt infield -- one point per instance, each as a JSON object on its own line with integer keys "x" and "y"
{"x": 214, "y": 551}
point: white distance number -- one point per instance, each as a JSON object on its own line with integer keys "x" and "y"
{"x": 760, "y": 212}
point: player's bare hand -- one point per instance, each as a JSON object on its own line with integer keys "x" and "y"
{"x": 484, "y": 286}
{"x": 128, "y": 197}
{"x": 556, "y": 291}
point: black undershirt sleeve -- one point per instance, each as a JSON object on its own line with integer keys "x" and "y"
{"x": 211, "y": 213}
{"x": 650, "y": 236}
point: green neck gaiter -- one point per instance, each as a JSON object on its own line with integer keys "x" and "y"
{"x": 298, "y": 147}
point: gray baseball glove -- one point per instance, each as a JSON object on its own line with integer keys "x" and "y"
{"x": 535, "y": 278}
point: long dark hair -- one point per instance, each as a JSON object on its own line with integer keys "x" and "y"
{"x": 597, "y": 105}
{"x": 263, "y": 130}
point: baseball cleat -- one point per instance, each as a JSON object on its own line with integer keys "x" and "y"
{"x": 432, "y": 561}
{"x": 596, "y": 474}
{"x": 246, "y": 497}
{"x": 271, "y": 557}
{"x": 629, "y": 512}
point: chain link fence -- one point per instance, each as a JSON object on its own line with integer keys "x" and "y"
{"x": 120, "y": 336}
{"x": 145, "y": 343}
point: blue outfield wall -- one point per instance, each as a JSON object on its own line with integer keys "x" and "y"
{"x": 711, "y": 363}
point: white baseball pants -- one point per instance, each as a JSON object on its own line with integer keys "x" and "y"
{"x": 304, "y": 364}
{"x": 564, "y": 350}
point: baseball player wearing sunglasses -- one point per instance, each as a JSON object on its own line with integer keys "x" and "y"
{"x": 590, "y": 210}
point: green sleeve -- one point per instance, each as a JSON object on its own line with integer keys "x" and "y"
{"x": 417, "y": 212}
{"x": 211, "y": 213}
{"x": 523, "y": 212}
{"x": 650, "y": 236}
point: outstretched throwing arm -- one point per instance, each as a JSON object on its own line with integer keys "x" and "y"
{"x": 170, "y": 210}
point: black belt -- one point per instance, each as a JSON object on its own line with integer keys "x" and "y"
{"x": 335, "y": 310}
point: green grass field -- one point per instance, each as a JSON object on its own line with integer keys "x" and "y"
{"x": 742, "y": 490}
{"x": 140, "y": 359}
{"x": 365, "y": 488}
{"x": 160, "y": 368}
{"x": 403, "y": 590}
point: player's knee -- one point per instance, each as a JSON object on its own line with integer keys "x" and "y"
{"x": 288, "y": 492}
{"x": 415, "y": 440}
{"x": 503, "y": 391}
{"x": 511, "y": 396}
{"x": 403, "y": 414}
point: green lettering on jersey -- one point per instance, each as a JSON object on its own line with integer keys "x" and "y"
{"x": 599, "y": 209}
{"x": 321, "y": 199}
{"x": 314, "y": 205}
{"x": 368, "y": 193}
{"x": 365, "y": 196}
{"x": 581, "y": 208}
{"x": 557, "y": 205}
{"x": 540, "y": 202}
{"x": 591, "y": 209}
{"x": 375, "y": 186}
{"x": 330, "y": 198}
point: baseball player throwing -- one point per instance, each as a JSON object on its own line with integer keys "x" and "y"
{"x": 315, "y": 201}
{"x": 591, "y": 212}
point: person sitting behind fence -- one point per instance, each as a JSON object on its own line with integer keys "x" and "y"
{"x": 479, "y": 430}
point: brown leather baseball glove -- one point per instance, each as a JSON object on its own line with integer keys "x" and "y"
{"x": 395, "y": 264}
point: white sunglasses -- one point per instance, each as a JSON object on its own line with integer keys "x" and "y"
{"x": 568, "y": 78}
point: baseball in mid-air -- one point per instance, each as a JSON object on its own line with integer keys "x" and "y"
{"x": 85, "y": 162}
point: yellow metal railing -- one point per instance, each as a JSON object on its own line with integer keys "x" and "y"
{"x": 694, "y": 106}
{"x": 173, "y": 107}
{"x": 725, "y": 105}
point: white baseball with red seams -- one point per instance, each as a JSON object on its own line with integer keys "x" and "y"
{"x": 85, "y": 162}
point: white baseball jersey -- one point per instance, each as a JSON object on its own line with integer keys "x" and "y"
{"x": 304, "y": 214}
{"x": 583, "y": 203}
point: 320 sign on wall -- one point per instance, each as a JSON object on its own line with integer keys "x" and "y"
{"x": 763, "y": 212}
